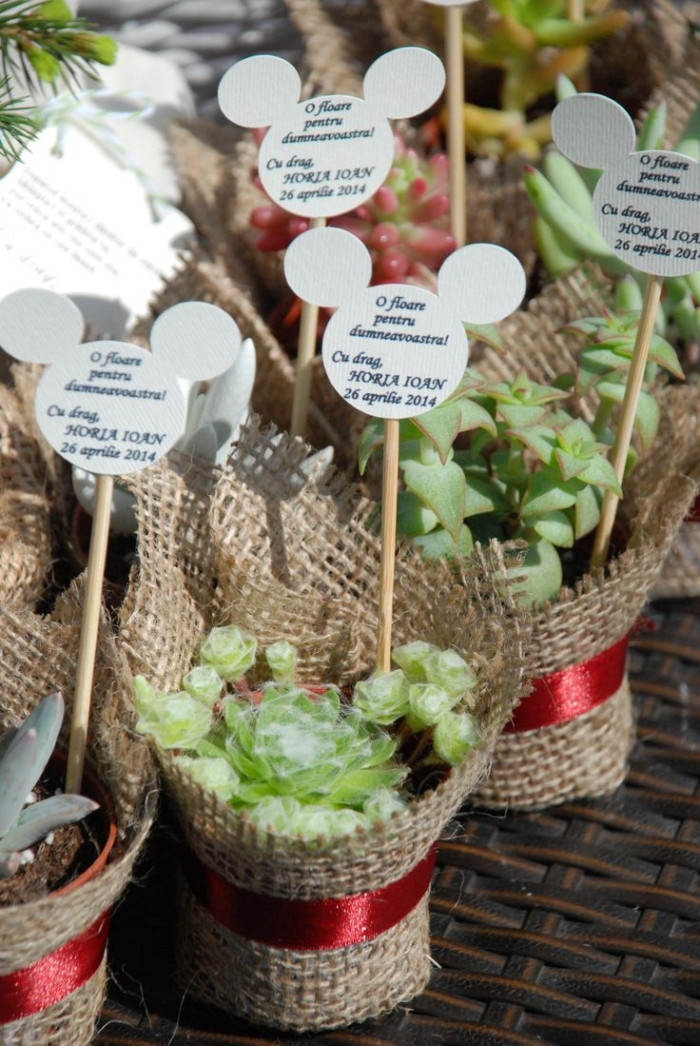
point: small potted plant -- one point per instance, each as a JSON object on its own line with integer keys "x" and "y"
{"x": 533, "y": 472}
{"x": 55, "y": 903}
{"x": 300, "y": 569}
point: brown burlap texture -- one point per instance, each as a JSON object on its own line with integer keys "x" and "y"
{"x": 38, "y": 656}
{"x": 588, "y": 756}
{"x": 25, "y": 523}
{"x": 299, "y": 560}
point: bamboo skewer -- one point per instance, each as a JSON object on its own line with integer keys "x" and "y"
{"x": 306, "y": 350}
{"x": 454, "y": 64}
{"x": 390, "y": 476}
{"x": 89, "y": 633}
{"x": 623, "y": 436}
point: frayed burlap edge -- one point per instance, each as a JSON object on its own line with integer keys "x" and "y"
{"x": 37, "y": 656}
{"x": 586, "y": 756}
{"x": 70, "y": 1022}
{"x": 301, "y": 990}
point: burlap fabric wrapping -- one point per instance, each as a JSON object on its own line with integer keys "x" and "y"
{"x": 287, "y": 559}
{"x": 587, "y": 755}
{"x": 37, "y": 656}
{"x": 25, "y": 518}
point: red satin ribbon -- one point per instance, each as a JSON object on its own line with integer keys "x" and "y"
{"x": 55, "y": 976}
{"x": 329, "y": 922}
{"x": 570, "y": 693}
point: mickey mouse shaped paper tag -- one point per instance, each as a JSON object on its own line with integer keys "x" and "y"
{"x": 108, "y": 406}
{"x": 326, "y": 155}
{"x": 646, "y": 204}
{"x": 397, "y": 350}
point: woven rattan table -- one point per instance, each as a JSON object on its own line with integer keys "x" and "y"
{"x": 578, "y": 925}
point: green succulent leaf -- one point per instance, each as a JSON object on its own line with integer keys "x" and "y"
{"x": 441, "y": 425}
{"x": 442, "y": 488}
{"x": 484, "y": 495}
{"x": 586, "y": 511}
{"x": 439, "y": 545}
{"x": 455, "y": 735}
{"x": 488, "y": 333}
{"x": 557, "y": 528}
{"x": 413, "y": 518}
{"x": 546, "y": 493}
{"x": 570, "y": 465}
{"x": 600, "y": 472}
{"x": 38, "y": 819}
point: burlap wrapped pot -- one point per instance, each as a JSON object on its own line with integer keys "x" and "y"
{"x": 38, "y": 656}
{"x": 586, "y": 754}
{"x": 291, "y": 558}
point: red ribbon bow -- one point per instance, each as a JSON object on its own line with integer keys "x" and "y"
{"x": 322, "y": 923}
{"x": 571, "y": 692}
{"x": 55, "y": 976}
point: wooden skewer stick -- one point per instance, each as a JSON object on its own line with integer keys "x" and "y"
{"x": 454, "y": 64}
{"x": 623, "y": 436}
{"x": 308, "y": 332}
{"x": 576, "y": 10}
{"x": 88, "y": 633}
{"x": 390, "y": 478}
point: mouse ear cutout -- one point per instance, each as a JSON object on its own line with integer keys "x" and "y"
{"x": 327, "y": 266}
{"x": 39, "y": 326}
{"x": 258, "y": 90}
{"x": 481, "y": 283}
{"x": 592, "y": 130}
{"x": 195, "y": 340}
{"x": 404, "y": 82}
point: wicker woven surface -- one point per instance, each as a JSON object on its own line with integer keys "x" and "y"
{"x": 574, "y": 926}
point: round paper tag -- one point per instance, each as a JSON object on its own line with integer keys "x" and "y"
{"x": 647, "y": 203}
{"x": 107, "y": 406}
{"x": 110, "y": 408}
{"x": 331, "y": 154}
{"x": 396, "y": 352}
{"x": 648, "y": 211}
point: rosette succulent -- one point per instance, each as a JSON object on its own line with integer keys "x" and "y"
{"x": 305, "y": 761}
{"x": 24, "y": 752}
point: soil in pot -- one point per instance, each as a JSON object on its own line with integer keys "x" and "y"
{"x": 71, "y": 853}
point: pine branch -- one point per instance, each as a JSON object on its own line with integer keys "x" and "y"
{"x": 43, "y": 43}
{"x": 17, "y": 125}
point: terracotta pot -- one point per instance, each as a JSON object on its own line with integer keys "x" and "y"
{"x": 57, "y": 996}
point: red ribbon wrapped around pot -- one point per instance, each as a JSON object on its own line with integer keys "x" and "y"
{"x": 571, "y": 692}
{"x": 55, "y": 976}
{"x": 321, "y": 923}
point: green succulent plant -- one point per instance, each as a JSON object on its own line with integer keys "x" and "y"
{"x": 309, "y": 762}
{"x": 525, "y": 468}
{"x": 567, "y": 235}
{"x": 531, "y": 42}
{"x": 24, "y": 752}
